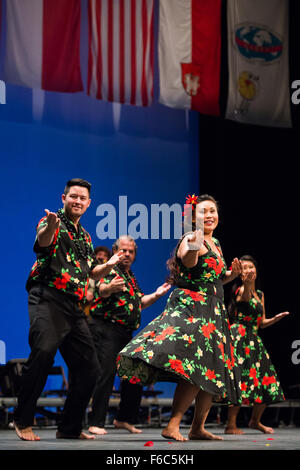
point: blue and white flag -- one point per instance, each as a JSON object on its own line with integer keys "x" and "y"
{"x": 258, "y": 62}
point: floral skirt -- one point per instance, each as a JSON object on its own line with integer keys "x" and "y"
{"x": 259, "y": 379}
{"x": 189, "y": 341}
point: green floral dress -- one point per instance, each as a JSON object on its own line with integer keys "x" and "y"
{"x": 191, "y": 338}
{"x": 259, "y": 380}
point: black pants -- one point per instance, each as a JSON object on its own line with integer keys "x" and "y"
{"x": 56, "y": 322}
{"x": 109, "y": 339}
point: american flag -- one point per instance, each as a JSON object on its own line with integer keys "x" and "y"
{"x": 121, "y": 43}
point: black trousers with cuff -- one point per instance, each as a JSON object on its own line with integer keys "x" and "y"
{"x": 57, "y": 323}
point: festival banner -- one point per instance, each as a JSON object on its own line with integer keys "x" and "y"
{"x": 121, "y": 48}
{"x": 43, "y": 44}
{"x": 258, "y": 62}
{"x": 190, "y": 54}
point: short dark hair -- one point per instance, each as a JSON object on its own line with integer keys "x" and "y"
{"x": 77, "y": 182}
{"x": 102, "y": 248}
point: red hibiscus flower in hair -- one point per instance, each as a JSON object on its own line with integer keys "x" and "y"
{"x": 191, "y": 199}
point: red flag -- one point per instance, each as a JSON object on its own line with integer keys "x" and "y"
{"x": 121, "y": 40}
{"x": 190, "y": 54}
{"x": 43, "y": 44}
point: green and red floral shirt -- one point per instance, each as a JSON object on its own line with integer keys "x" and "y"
{"x": 63, "y": 265}
{"x": 122, "y": 307}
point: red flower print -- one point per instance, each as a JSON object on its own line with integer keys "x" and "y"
{"x": 247, "y": 351}
{"x": 210, "y": 374}
{"x": 212, "y": 263}
{"x": 243, "y": 386}
{"x": 149, "y": 333}
{"x": 60, "y": 283}
{"x": 252, "y": 372}
{"x": 79, "y": 293}
{"x": 268, "y": 380}
{"x": 242, "y": 330}
{"x": 131, "y": 291}
{"x": 246, "y": 401}
{"x": 71, "y": 235}
{"x": 221, "y": 347}
{"x": 208, "y": 329}
{"x": 255, "y": 382}
{"x": 134, "y": 380}
{"x": 118, "y": 358}
{"x": 176, "y": 364}
{"x": 258, "y": 400}
{"x": 168, "y": 331}
{"x": 195, "y": 295}
{"x": 190, "y": 319}
{"x": 66, "y": 277}
{"x": 121, "y": 302}
{"x": 140, "y": 348}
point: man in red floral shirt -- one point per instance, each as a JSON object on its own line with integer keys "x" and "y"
{"x": 56, "y": 286}
{"x": 114, "y": 315}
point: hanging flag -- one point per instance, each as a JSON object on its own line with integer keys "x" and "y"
{"x": 190, "y": 54}
{"x": 258, "y": 62}
{"x": 43, "y": 44}
{"x": 121, "y": 38}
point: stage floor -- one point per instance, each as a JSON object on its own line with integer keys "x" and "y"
{"x": 285, "y": 438}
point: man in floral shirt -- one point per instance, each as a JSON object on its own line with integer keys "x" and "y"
{"x": 114, "y": 315}
{"x": 56, "y": 285}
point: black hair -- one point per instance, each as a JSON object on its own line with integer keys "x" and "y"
{"x": 172, "y": 278}
{"x": 77, "y": 182}
{"x": 237, "y": 284}
{"x": 102, "y": 248}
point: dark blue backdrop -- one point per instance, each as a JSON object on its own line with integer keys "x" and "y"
{"x": 149, "y": 155}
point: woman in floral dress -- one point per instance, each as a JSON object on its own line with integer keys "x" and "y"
{"x": 260, "y": 385}
{"x": 190, "y": 342}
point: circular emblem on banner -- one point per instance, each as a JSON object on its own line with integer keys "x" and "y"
{"x": 257, "y": 42}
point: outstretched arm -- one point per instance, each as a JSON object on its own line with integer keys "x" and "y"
{"x": 190, "y": 248}
{"x": 234, "y": 272}
{"x": 265, "y": 322}
{"x": 102, "y": 270}
{"x": 46, "y": 234}
{"x": 149, "y": 299}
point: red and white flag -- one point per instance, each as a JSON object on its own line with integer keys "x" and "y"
{"x": 121, "y": 41}
{"x": 190, "y": 54}
{"x": 43, "y": 44}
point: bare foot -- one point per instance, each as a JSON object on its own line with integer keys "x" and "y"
{"x": 125, "y": 425}
{"x": 96, "y": 430}
{"x": 82, "y": 435}
{"x": 261, "y": 427}
{"x": 233, "y": 430}
{"x": 203, "y": 435}
{"x": 173, "y": 434}
{"x": 26, "y": 434}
